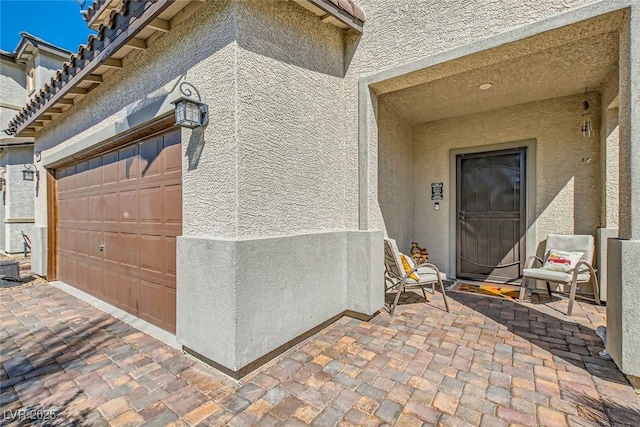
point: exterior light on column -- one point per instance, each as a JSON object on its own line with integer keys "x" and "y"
{"x": 190, "y": 113}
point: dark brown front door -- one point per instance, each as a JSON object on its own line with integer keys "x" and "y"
{"x": 118, "y": 217}
{"x": 491, "y": 224}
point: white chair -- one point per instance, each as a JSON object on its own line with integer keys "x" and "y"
{"x": 397, "y": 278}
{"x": 583, "y": 271}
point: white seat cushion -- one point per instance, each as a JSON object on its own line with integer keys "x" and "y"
{"x": 553, "y": 276}
{"x": 427, "y": 275}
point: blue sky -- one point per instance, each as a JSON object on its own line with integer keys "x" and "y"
{"x": 56, "y": 21}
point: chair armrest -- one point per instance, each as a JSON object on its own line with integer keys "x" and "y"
{"x": 577, "y": 271}
{"x": 428, "y": 264}
{"x": 529, "y": 262}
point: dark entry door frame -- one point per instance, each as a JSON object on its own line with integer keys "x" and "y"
{"x": 530, "y": 173}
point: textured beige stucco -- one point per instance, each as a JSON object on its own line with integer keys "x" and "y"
{"x": 568, "y": 189}
{"x": 396, "y": 192}
{"x": 399, "y": 32}
{"x": 12, "y": 89}
{"x": 290, "y": 126}
{"x": 609, "y": 150}
{"x": 280, "y": 154}
{"x": 201, "y": 50}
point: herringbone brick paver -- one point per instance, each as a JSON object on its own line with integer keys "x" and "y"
{"x": 490, "y": 362}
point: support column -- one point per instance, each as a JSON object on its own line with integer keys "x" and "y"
{"x": 623, "y": 310}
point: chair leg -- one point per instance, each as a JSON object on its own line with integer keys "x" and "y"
{"x": 572, "y": 296}
{"x": 523, "y": 289}
{"x": 395, "y": 301}
{"x": 596, "y": 288}
{"x": 444, "y": 295}
{"x": 424, "y": 292}
{"x": 549, "y": 289}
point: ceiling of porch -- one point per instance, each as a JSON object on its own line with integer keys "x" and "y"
{"x": 582, "y": 61}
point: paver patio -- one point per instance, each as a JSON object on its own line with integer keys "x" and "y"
{"x": 490, "y": 362}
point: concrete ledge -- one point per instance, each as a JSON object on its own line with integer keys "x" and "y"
{"x": 128, "y": 318}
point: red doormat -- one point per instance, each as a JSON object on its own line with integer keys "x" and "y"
{"x": 489, "y": 289}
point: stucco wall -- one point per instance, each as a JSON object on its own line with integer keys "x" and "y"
{"x": 290, "y": 102}
{"x": 399, "y": 32}
{"x": 396, "y": 166}
{"x": 18, "y": 209}
{"x": 568, "y": 189}
{"x": 46, "y": 65}
{"x": 200, "y": 50}
{"x": 609, "y": 148}
{"x": 12, "y": 90}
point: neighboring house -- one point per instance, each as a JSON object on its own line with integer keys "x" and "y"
{"x": 325, "y": 132}
{"x": 22, "y": 73}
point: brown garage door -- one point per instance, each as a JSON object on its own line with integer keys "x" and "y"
{"x": 118, "y": 217}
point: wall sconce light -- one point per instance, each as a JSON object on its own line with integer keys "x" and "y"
{"x": 38, "y": 155}
{"x": 29, "y": 172}
{"x": 190, "y": 113}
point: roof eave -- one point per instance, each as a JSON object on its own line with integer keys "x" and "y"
{"x": 148, "y": 15}
{"x": 340, "y": 14}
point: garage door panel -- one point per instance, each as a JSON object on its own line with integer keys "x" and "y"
{"x": 82, "y": 243}
{"x": 152, "y": 254}
{"x": 82, "y": 175}
{"x": 172, "y": 159}
{"x": 150, "y": 163}
{"x": 83, "y": 277}
{"x": 151, "y": 205}
{"x": 173, "y": 203}
{"x": 153, "y": 301}
{"x": 96, "y": 281}
{"x": 95, "y": 172}
{"x": 111, "y": 205}
{"x": 96, "y": 241}
{"x": 110, "y": 286}
{"x": 109, "y": 168}
{"x": 82, "y": 205}
{"x": 171, "y": 308}
{"x": 130, "y": 201}
{"x": 96, "y": 208}
{"x": 128, "y": 163}
{"x": 170, "y": 257}
{"x": 130, "y": 249}
{"x": 129, "y": 293}
{"x": 111, "y": 253}
{"x": 129, "y": 206}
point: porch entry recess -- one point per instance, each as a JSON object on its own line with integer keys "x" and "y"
{"x": 491, "y": 220}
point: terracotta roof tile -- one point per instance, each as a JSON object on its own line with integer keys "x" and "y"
{"x": 77, "y": 62}
{"x": 95, "y": 8}
{"x": 351, "y": 8}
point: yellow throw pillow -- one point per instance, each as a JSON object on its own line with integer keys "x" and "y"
{"x": 409, "y": 265}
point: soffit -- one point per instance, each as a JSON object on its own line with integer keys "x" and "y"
{"x": 557, "y": 71}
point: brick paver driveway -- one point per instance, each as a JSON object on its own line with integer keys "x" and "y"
{"x": 489, "y": 362}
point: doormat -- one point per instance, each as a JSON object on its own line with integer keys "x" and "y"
{"x": 488, "y": 289}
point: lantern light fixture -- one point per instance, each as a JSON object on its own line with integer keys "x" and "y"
{"x": 190, "y": 113}
{"x": 29, "y": 172}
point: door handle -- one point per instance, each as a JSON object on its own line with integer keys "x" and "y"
{"x": 101, "y": 247}
{"x": 461, "y": 215}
